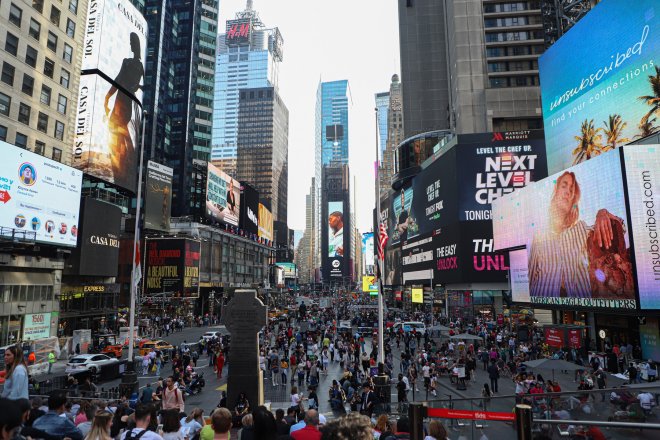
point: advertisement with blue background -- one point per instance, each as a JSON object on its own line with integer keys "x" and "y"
{"x": 597, "y": 82}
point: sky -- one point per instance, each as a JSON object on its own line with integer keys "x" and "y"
{"x": 356, "y": 40}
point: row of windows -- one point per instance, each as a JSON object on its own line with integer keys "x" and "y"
{"x": 26, "y": 293}
{"x": 27, "y": 87}
{"x": 517, "y": 50}
{"x": 11, "y": 46}
{"x": 21, "y": 140}
{"x": 516, "y": 81}
{"x": 512, "y": 7}
{"x": 24, "y": 113}
{"x": 512, "y": 21}
{"x": 514, "y": 36}
{"x": 513, "y": 66}
{"x": 16, "y": 18}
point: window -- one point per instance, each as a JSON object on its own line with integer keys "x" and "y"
{"x": 15, "y": 15}
{"x": 49, "y": 67}
{"x": 70, "y": 28}
{"x": 39, "y": 147}
{"x": 35, "y": 29}
{"x": 8, "y": 73}
{"x": 59, "y": 131}
{"x": 28, "y": 84}
{"x": 57, "y": 154}
{"x": 21, "y": 140}
{"x": 52, "y": 42}
{"x": 61, "y": 104}
{"x": 5, "y": 104}
{"x": 11, "y": 44}
{"x": 3, "y": 133}
{"x": 42, "y": 122}
{"x": 64, "y": 78}
{"x": 54, "y": 15}
{"x": 45, "y": 95}
{"x": 38, "y": 5}
{"x": 67, "y": 55}
{"x": 31, "y": 56}
{"x": 24, "y": 114}
{"x": 73, "y": 6}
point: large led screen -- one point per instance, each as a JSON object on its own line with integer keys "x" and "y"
{"x": 249, "y": 218}
{"x": 368, "y": 250}
{"x": 172, "y": 267}
{"x": 335, "y": 229}
{"x": 39, "y": 197}
{"x": 599, "y": 82}
{"x": 107, "y": 126}
{"x": 116, "y": 43}
{"x": 158, "y": 197}
{"x": 642, "y": 163}
{"x": 575, "y": 229}
{"x": 223, "y": 196}
{"x": 404, "y": 225}
{"x": 99, "y": 238}
{"x": 494, "y": 164}
{"x": 265, "y": 223}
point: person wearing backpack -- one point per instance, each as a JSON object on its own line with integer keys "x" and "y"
{"x": 172, "y": 396}
{"x": 142, "y": 421}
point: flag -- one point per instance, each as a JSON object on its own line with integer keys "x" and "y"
{"x": 137, "y": 274}
{"x": 382, "y": 241}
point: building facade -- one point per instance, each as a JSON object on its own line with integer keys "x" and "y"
{"x": 248, "y": 60}
{"x": 382, "y": 106}
{"x": 394, "y": 136}
{"x": 263, "y": 145}
{"x": 470, "y": 66}
{"x": 41, "y": 57}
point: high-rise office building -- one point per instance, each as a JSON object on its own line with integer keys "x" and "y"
{"x": 470, "y": 66}
{"x": 394, "y": 135}
{"x": 263, "y": 145}
{"x": 305, "y": 253}
{"x": 178, "y": 94}
{"x": 382, "y": 105}
{"x": 249, "y": 54}
{"x": 40, "y": 57}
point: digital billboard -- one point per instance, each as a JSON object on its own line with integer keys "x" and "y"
{"x": 494, "y": 164}
{"x": 265, "y": 223}
{"x": 223, "y": 196}
{"x": 418, "y": 259}
{"x": 404, "y": 225}
{"x": 115, "y": 43}
{"x": 369, "y": 283}
{"x": 290, "y": 270}
{"x": 249, "y": 216}
{"x": 575, "y": 229}
{"x": 642, "y": 165}
{"x": 368, "y": 250}
{"x": 107, "y": 126}
{"x": 158, "y": 197}
{"x": 477, "y": 252}
{"x": 608, "y": 98}
{"x": 238, "y": 31}
{"x": 649, "y": 339}
{"x": 519, "y": 275}
{"x": 172, "y": 267}
{"x": 335, "y": 251}
{"x": 99, "y": 238}
{"x": 392, "y": 270}
{"x": 39, "y": 196}
{"x": 417, "y": 295}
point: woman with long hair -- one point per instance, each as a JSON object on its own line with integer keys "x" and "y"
{"x": 101, "y": 426}
{"x": 16, "y": 374}
{"x": 437, "y": 431}
{"x": 171, "y": 425}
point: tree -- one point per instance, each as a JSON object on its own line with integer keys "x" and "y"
{"x": 589, "y": 142}
{"x": 613, "y": 131}
{"x": 652, "y": 100}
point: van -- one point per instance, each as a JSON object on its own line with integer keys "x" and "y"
{"x": 408, "y": 326}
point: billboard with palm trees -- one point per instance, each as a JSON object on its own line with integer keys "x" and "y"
{"x": 600, "y": 82}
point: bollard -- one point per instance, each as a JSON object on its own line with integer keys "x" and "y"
{"x": 524, "y": 422}
{"x": 416, "y": 414}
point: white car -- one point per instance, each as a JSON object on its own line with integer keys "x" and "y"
{"x": 215, "y": 333}
{"x": 88, "y": 362}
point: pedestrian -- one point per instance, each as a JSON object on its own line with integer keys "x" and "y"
{"x": 601, "y": 378}
{"x": 284, "y": 367}
{"x": 16, "y": 374}
{"x": 493, "y": 375}
{"x": 145, "y": 365}
{"x": 219, "y": 364}
{"x": 486, "y": 395}
{"x": 51, "y": 361}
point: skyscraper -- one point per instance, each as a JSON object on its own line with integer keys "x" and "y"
{"x": 470, "y": 66}
{"x": 178, "y": 94}
{"x": 248, "y": 57}
{"x": 382, "y": 105}
{"x": 394, "y": 135}
{"x": 263, "y": 146}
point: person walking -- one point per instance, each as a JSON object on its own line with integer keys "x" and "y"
{"x": 16, "y": 374}
{"x": 51, "y": 361}
{"x": 493, "y": 375}
{"x": 219, "y": 363}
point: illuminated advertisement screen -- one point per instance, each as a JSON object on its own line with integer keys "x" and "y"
{"x": 519, "y": 275}
{"x": 265, "y": 223}
{"x": 335, "y": 251}
{"x": 649, "y": 340}
{"x": 573, "y": 225}
{"x": 238, "y": 32}
{"x": 223, "y": 196}
{"x": 494, "y": 164}
{"x": 107, "y": 126}
{"x": 418, "y": 259}
{"x": 158, "y": 197}
{"x": 289, "y": 269}
{"x": 404, "y": 225}
{"x": 607, "y": 99}
{"x": 172, "y": 267}
{"x": 642, "y": 164}
{"x": 39, "y": 197}
{"x": 392, "y": 269}
{"x": 116, "y": 43}
{"x": 417, "y": 295}
{"x": 368, "y": 249}
{"x": 249, "y": 219}
{"x": 99, "y": 238}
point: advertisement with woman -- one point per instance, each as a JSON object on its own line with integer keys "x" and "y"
{"x": 223, "y": 195}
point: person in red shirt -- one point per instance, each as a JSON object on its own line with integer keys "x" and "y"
{"x": 311, "y": 429}
{"x": 220, "y": 363}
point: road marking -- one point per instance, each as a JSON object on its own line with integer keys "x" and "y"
{"x": 222, "y": 388}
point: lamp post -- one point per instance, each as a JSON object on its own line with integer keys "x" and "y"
{"x": 379, "y": 262}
